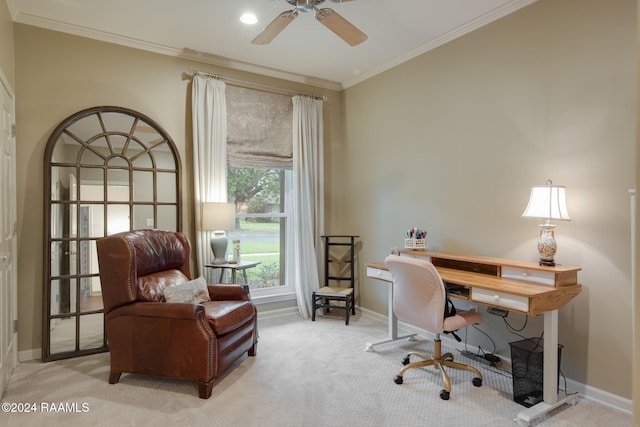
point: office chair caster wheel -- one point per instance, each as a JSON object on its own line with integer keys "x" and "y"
{"x": 477, "y": 381}
{"x": 405, "y": 361}
{"x": 444, "y": 395}
{"x": 398, "y": 379}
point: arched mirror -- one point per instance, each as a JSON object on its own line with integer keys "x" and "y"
{"x": 109, "y": 169}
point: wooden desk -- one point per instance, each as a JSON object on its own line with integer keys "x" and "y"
{"x": 523, "y": 287}
{"x": 234, "y": 266}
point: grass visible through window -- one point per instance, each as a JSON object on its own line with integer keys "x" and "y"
{"x": 259, "y": 241}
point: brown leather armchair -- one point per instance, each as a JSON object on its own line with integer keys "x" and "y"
{"x": 149, "y": 336}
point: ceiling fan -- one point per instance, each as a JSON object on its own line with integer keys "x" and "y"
{"x": 328, "y": 17}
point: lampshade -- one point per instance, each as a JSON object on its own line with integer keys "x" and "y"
{"x": 547, "y": 202}
{"x": 218, "y": 216}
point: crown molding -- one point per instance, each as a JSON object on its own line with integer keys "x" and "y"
{"x": 185, "y": 53}
{"x": 222, "y": 61}
{"x": 13, "y": 8}
{"x": 470, "y": 26}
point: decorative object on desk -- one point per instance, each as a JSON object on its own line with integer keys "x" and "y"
{"x": 547, "y": 202}
{"x": 236, "y": 252}
{"x": 218, "y": 217}
{"x": 415, "y": 239}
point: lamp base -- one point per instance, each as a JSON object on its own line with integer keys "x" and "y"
{"x": 547, "y": 245}
{"x": 219, "y": 245}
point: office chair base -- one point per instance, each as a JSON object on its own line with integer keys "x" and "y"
{"x": 439, "y": 361}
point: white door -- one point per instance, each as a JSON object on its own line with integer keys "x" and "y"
{"x": 8, "y": 244}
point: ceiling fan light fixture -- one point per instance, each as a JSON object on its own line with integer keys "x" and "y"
{"x": 326, "y": 16}
{"x": 305, "y": 5}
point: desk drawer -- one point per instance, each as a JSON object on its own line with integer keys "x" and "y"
{"x": 500, "y": 299}
{"x": 377, "y": 273}
{"x": 542, "y": 277}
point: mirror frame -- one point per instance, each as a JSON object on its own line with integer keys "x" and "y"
{"x": 105, "y": 148}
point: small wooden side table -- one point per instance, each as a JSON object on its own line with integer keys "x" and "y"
{"x": 234, "y": 267}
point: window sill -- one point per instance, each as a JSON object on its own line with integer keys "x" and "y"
{"x": 265, "y": 299}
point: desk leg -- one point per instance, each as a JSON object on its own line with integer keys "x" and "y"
{"x": 550, "y": 378}
{"x": 233, "y": 276}
{"x": 393, "y": 326}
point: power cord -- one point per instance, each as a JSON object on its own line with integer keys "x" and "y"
{"x": 514, "y": 330}
{"x": 566, "y": 390}
{"x": 481, "y": 353}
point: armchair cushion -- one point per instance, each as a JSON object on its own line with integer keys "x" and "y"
{"x": 191, "y": 292}
{"x": 227, "y": 316}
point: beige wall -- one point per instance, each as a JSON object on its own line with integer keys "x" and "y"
{"x": 6, "y": 44}
{"x": 453, "y": 140}
{"x": 59, "y": 74}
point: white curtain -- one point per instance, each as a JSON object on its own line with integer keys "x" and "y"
{"x": 306, "y": 225}
{"x": 209, "y": 116}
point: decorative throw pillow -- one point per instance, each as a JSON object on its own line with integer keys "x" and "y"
{"x": 191, "y": 292}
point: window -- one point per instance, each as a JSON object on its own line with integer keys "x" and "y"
{"x": 260, "y": 158}
{"x": 261, "y": 219}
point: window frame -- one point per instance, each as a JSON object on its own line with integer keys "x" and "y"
{"x": 285, "y": 290}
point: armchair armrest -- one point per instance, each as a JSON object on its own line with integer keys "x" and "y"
{"x": 160, "y": 309}
{"x": 229, "y": 292}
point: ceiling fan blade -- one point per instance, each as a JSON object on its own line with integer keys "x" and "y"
{"x": 343, "y": 28}
{"x": 275, "y": 27}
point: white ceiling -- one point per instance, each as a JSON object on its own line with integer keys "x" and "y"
{"x": 306, "y": 51}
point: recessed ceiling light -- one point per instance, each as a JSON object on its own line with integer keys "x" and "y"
{"x": 248, "y": 18}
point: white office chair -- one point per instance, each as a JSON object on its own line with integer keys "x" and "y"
{"x": 419, "y": 298}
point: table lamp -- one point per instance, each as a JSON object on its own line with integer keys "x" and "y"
{"x": 218, "y": 217}
{"x": 547, "y": 202}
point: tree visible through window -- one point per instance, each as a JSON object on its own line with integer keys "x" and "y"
{"x": 258, "y": 194}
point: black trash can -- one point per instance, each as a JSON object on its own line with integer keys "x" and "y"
{"x": 527, "y": 368}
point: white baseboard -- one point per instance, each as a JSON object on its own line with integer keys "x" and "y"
{"x": 27, "y": 355}
{"x": 603, "y": 397}
{"x": 586, "y": 391}
{"x": 277, "y": 313}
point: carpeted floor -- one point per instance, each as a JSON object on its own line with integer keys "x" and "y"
{"x": 305, "y": 374}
